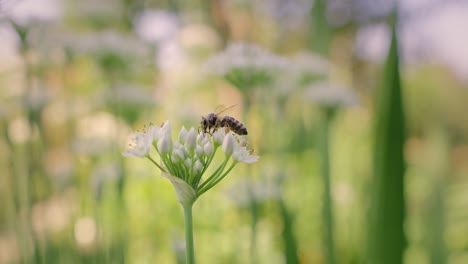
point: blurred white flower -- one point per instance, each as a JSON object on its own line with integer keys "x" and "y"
{"x": 185, "y": 160}
{"x": 199, "y": 36}
{"x": 157, "y": 26}
{"x": 290, "y": 14}
{"x": 328, "y": 95}
{"x": 303, "y": 69}
{"x": 244, "y": 56}
{"x": 246, "y": 65}
{"x": 170, "y": 55}
{"x": 243, "y": 193}
{"x": 108, "y": 42}
{"x": 308, "y": 63}
{"x": 27, "y": 12}
{"x": 86, "y": 9}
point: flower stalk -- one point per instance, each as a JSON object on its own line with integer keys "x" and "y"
{"x": 190, "y": 252}
{"x": 327, "y": 210}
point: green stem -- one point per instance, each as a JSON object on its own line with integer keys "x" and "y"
{"x": 327, "y": 203}
{"x": 214, "y": 175}
{"x": 216, "y": 180}
{"x": 155, "y": 163}
{"x": 189, "y": 248}
{"x": 210, "y": 159}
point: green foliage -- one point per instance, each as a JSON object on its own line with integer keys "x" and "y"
{"x": 386, "y": 231}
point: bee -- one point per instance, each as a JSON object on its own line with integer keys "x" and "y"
{"x": 213, "y": 121}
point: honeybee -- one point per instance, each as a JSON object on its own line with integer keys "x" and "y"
{"x": 213, "y": 121}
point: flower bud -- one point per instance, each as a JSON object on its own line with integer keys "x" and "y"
{"x": 183, "y": 135}
{"x": 208, "y": 149}
{"x": 228, "y": 144}
{"x": 197, "y": 167}
{"x": 180, "y": 154}
{"x": 199, "y": 151}
{"x": 166, "y": 129}
{"x": 218, "y": 137}
{"x": 185, "y": 194}
{"x": 200, "y": 138}
{"x": 185, "y": 151}
{"x": 164, "y": 144}
{"x": 205, "y": 141}
{"x": 188, "y": 163}
{"x": 191, "y": 141}
{"x": 154, "y": 133}
{"x": 174, "y": 157}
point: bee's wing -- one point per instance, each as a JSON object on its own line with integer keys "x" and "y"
{"x": 222, "y": 108}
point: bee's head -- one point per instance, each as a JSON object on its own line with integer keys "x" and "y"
{"x": 211, "y": 118}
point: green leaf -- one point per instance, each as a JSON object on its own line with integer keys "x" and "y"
{"x": 387, "y": 240}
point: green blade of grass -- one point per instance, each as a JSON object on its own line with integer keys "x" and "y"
{"x": 386, "y": 237}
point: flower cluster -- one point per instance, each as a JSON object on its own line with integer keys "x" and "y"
{"x": 330, "y": 96}
{"x": 185, "y": 160}
{"x": 246, "y": 65}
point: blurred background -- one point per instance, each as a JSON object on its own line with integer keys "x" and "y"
{"x": 363, "y": 134}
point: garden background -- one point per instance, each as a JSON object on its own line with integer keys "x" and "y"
{"x": 357, "y": 109}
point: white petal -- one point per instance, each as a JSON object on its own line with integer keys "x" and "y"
{"x": 140, "y": 148}
{"x": 241, "y": 154}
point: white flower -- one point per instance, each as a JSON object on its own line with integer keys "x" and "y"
{"x": 290, "y": 14}
{"x": 109, "y": 42}
{"x": 307, "y": 63}
{"x": 184, "y": 163}
{"x": 246, "y": 65}
{"x": 328, "y": 95}
{"x": 244, "y": 55}
{"x": 156, "y": 25}
{"x": 242, "y": 154}
{"x": 141, "y": 145}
